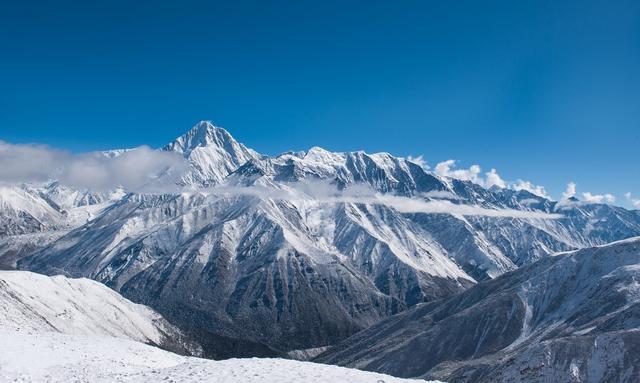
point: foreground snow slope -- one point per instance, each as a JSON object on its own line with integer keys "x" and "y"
{"x": 54, "y": 357}
{"x": 34, "y": 302}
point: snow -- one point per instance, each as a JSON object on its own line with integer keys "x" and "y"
{"x": 55, "y": 357}
{"x": 19, "y": 199}
{"x": 36, "y": 302}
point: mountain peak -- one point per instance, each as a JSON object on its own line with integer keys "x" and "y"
{"x": 204, "y": 133}
{"x": 212, "y": 152}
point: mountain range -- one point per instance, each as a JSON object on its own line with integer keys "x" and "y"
{"x": 257, "y": 255}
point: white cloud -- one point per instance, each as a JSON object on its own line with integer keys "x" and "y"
{"x": 441, "y": 194}
{"x": 634, "y": 201}
{"x": 570, "y": 191}
{"x": 531, "y": 188}
{"x": 139, "y": 169}
{"x": 419, "y": 161}
{"x": 27, "y": 163}
{"x": 446, "y": 169}
{"x": 474, "y": 174}
{"x": 493, "y": 179}
{"x": 325, "y": 192}
{"x": 412, "y": 205}
{"x": 588, "y": 197}
{"x": 598, "y": 198}
{"x": 529, "y": 201}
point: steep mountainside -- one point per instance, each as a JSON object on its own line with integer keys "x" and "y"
{"x": 33, "y": 216}
{"x": 570, "y": 317}
{"x": 257, "y": 269}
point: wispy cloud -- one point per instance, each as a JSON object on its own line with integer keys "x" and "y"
{"x": 324, "y": 192}
{"x": 139, "y": 169}
{"x": 447, "y": 169}
{"x": 473, "y": 173}
{"x": 531, "y": 188}
{"x": 635, "y": 202}
{"x": 492, "y": 178}
{"x": 598, "y": 198}
{"x": 489, "y": 179}
{"x": 587, "y": 197}
{"x": 419, "y": 160}
{"x": 570, "y": 191}
{"x": 441, "y": 194}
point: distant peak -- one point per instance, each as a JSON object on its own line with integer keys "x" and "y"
{"x": 206, "y": 130}
{"x": 204, "y": 133}
{"x": 317, "y": 150}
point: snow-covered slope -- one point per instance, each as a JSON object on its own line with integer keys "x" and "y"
{"x": 37, "y": 303}
{"x": 55, "y": 357}
{"x": 572, "y": 317}
{"x": 31, "y": 216}
{"x": 30, "y": 209}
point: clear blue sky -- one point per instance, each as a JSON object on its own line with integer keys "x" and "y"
{"x": 547, "y": 91}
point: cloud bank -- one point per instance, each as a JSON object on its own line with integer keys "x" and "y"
{"x": 598, "y": 198}
{"x": 587, "y": 197}
{"x": 531, "y": 188}
{"x": 488, "y": 180}
{"x": 141, "y": 169}
{"x": 324, "y": 192}
{"x": 492, "y": 178}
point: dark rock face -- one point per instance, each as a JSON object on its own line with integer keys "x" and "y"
{"x": 571, "y": 317}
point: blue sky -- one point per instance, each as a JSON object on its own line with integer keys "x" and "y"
{"x": 546, "y": 91}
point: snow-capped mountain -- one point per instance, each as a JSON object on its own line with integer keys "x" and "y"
{"x": 569, "y": 317}
{"x": 381, "y": 171}
{"x": 33, "y": 216}
{"x": 232, "y": 260}
{"x": 211, "y": 152}
{"x": 35, "y": 303}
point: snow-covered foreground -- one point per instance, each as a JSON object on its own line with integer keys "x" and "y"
{"x": 58, "y": 329}
{"x": 29, "y": 356}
